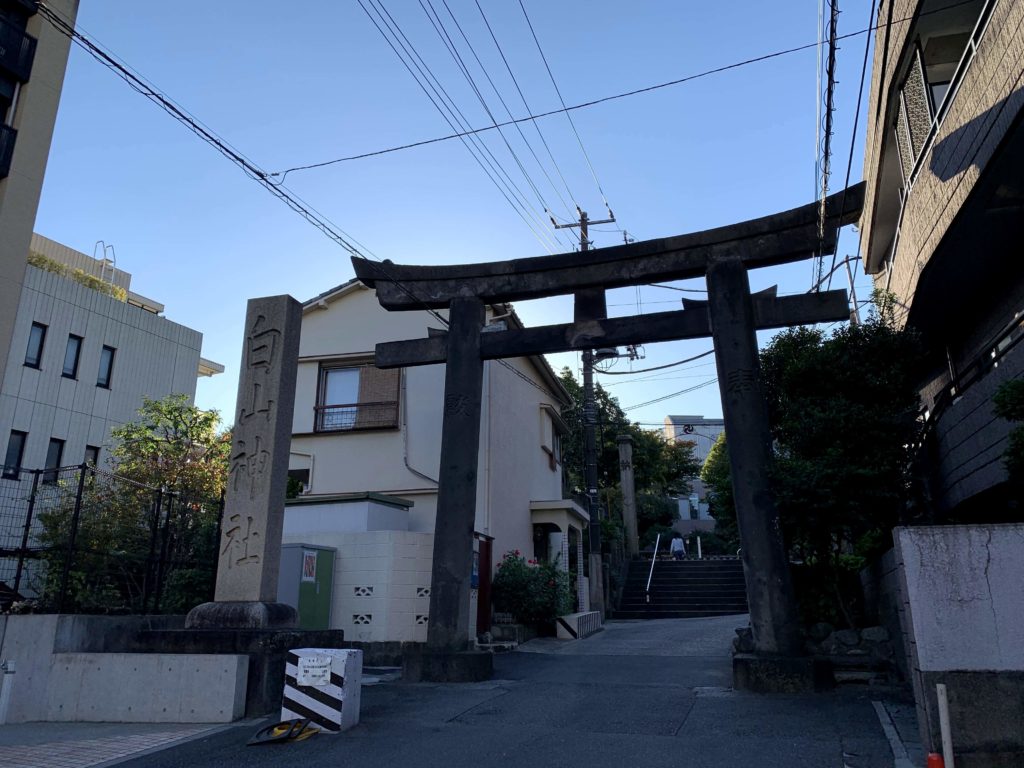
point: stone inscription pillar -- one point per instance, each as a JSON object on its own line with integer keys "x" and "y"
{"x": 626, "y": 482}
{"x": 773, "y": 614}
{"x": 448, "y": 623}
{"x": 250, "y": 546}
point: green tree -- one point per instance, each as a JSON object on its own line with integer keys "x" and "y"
{"x": 717, "y": 475}
{"x": 843, "y": 411}
{"x": 1009, "y": 405}
{"x": 662, "y": 468}
{"x": 163, "y": 501}
{"x": 173, "y": 445}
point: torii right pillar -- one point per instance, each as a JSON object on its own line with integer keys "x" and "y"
{"x": 774, "y": 621}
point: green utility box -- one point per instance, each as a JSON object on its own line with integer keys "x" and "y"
{"x": 305, "y": 582}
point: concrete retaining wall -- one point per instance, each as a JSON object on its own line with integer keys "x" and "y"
{"x": 146, "y": 688}
{"x": 55, "y": 680}
{"x": 965, "y": 618}
{"x": 885, "y": 605}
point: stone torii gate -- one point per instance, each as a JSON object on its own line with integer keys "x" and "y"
{"x": 730, "y": 316}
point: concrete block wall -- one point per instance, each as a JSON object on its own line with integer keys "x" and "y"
{"x": 965, "y": 616}
{"x": 887, "y": 606}
{"x": 381, "y": 590}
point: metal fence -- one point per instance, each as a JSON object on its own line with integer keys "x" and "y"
{"x": 81, "y": 540}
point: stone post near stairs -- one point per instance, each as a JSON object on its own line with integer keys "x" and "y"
{"x": 250, "y": 545}
{"x": 626, "y": 481}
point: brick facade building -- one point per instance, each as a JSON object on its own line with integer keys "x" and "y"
{"x": 943, "y": 223}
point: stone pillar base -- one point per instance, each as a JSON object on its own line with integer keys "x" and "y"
{"x": 242, "y": 615}
{"x": 447, "y": 666}
{"x": 780, "y": 674}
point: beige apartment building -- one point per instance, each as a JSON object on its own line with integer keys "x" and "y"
{"x": 943, "y": 222}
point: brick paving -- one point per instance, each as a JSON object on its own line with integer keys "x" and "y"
{"x": 46, "y": 745}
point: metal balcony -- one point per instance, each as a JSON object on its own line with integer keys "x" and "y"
{"x": 17, "y": 51}
{"x": 7, "y": 137}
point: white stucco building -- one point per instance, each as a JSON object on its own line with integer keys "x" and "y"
{"x": 366, "y": 446}
{"x": 81, "y": 360}
{"x": 701, "y": 431}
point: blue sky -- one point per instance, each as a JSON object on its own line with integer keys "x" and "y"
{"x": 296, "y": 84}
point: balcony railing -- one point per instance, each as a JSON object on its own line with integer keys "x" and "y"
{"x": 17, "y": 51}
{"x": 7, "y": 137}
{"x": 354, "y": 416}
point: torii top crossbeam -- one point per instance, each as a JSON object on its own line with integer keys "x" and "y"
{"x": 776, "y": 239}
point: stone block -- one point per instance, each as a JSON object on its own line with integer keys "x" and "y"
{"x": 848, "y": 637}
{"x": 447, "y": 666}
{"x": 818, "y": 632}
{"x": 875, "y": 634}
{"x": 780, "y": 674}
{"x": 242, "y": 615}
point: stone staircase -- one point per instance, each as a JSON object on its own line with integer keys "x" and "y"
{"x": 684, "y": 589}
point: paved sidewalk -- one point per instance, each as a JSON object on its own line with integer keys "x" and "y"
{"x": 89, "y": 745}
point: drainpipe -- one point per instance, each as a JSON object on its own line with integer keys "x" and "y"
{"x": 405, "y": 434}
{"x": 6, "y": 683}
{"x": 488, "y": 368}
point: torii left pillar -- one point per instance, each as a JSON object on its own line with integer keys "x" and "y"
{"x": 447, "y": 657}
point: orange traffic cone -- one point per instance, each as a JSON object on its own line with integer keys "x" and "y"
{"x": 935, "y": 760}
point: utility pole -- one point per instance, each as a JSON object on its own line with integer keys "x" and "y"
{"x": 590, "y": 305}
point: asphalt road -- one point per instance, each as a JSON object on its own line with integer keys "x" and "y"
{"x": 650, "y": 693}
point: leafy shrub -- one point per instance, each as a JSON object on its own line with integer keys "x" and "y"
{"x": 532, "y": 592}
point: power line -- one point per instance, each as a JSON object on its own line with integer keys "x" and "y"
{"x": 449, "y": 111}
{"x": 670, "y": 396}
{"x": 440, "y": 28}
{"x": 565, "y": 109}
{"x": 536, "y": 125}
{"x": 147, "y": 89}
{"x": 826, "y": 153}
{"x": 659, "y": 367}
{"x": 674, "y": 288}
{"x": 853, "y": 140}
{"x": 614, "y": 97}
{"x": 143, "y": 86}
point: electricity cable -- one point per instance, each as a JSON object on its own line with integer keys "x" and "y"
{"x": 658, "y": 367}
{"x": 448, "y": 110}
{"x": 670, "y": 396}
{"x": 565, "y": 109}
{"x": 141, "y": 85}
{"x": 443, "y": 34}
{"x": 614, "y": 97}
{"x": 534, "y": 122}
{"x": 508, "y": 110}
{"x": 853, "y": 141}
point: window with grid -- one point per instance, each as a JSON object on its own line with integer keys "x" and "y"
{"x": 356, "y": 397}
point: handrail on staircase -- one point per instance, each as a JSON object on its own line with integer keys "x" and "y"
{"x": 654, "y": 559}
